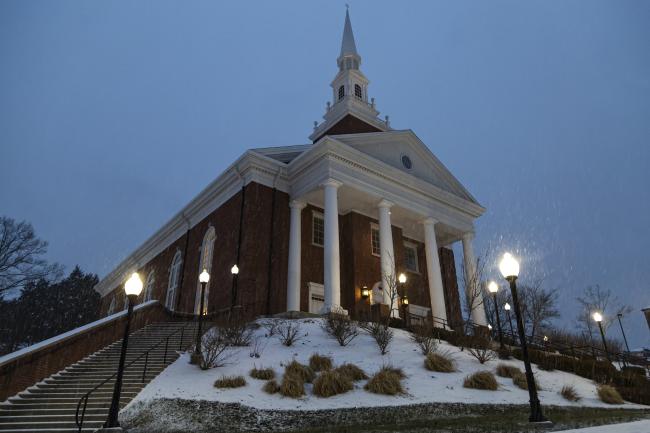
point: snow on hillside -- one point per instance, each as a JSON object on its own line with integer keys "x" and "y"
{"x": 185, "y": 381}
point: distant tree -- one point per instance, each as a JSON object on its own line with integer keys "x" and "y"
{"x": 595, "y": 298}
{"x": 21, "y": 256}
{"x": 538, "y": 306}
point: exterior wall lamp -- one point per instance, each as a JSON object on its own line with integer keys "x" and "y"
{"x": 365, "y": 292}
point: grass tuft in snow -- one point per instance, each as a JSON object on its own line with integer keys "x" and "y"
{"x": 292, "y": 386}
{"x": 330, "y": 383}
{"x": 230, "y": 382}
{"x": 519, "y": 379}
{"x": 385, "y": 381}
{"x": 440, "y": 361}
{"x": 353, "y": 372}
{"x": 481, "y": 380}
{"x": 609, "y": 394}
{"x": 303, "y": 372}
{"x": 569, "y": 392}
{"x": 262, "y": 373}
{"x": 320, "y": 363}
{"x": 271, "y": 387}
{"x": 394, "y": 370}
{"x": 505, "y": 370}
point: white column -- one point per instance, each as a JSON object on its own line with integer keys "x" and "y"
{"x": 387, "y": 254}
{"x": 436, "y": 290}
{"x": 471, "y": 279}
{"x": 293, "y": 275}
{"x": 331, "y": 259}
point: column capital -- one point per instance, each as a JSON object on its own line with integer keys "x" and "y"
{"x": 385, "y": 204}
{"x": 468, "y": 236}
{"x": 331, "y": 182}
{"x": 429, "y": 221}
{"x": 297, "y": 204}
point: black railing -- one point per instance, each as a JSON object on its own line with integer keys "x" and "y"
{"x": 84, "y": 399}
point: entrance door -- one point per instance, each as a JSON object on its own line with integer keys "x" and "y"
{"x": 316, "y": 298}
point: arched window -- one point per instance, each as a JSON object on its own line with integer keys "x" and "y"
{"x": 207, "y": 246}
{"x": 358, "y": 92}
{"x": 148, "y": 287}
{"x": 111, "y": 307}
{"x": 174, "y": 278}
{"x": 341, "y": 92}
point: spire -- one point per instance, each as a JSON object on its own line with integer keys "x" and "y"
{"x": 347, "y": 44}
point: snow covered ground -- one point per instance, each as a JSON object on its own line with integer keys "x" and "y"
{"x": 185, "y": 381}
{"x": 627, "y": 427}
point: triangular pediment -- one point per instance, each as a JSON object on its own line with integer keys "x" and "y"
{"x": 405, "y": 151}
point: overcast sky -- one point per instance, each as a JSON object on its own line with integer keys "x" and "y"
{"x": 113, "y": 115}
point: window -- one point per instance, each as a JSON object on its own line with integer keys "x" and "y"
{"x": 406, "y": 162}
{"x": 207, "y": 247}
{"x": 341, "y": 92}
{"x": 148, "y": 287}
{"x": 126, "y": 302}
{"x": 111, "y": 307}
{"x": 318, "y": 229}
{"x": 411, "y": 257}
{"x": 374, "y": 240}
{"x": 174, "y": 277}
{"x": 357, "y": 91}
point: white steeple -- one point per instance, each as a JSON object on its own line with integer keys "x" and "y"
{"x": 349, "y": 91}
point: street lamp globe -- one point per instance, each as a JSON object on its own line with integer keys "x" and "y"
{"x": 509, "y": 266}
{"x": 234, "y": 270}
{"x": 506, "y": 307}
{"x": 597, "y": 317}
{"x": 204, "y": 277}
{"x": 489, "y": 327}
{"x": 493, "y": 287}
{"x": 401, "y": 278}
{"x": 133, "y": 285}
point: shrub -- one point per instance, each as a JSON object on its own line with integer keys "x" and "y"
{"x": 546, "y": 362}
{"x": 330, "y": 383}
{"x": 441, "y": 362}
{"x": 195, "y": 358}
{"x": 237, "y": 332}
{"x": 262, "y": 373}
{"x": 609, "y": 394}
{"x": 271, "y": 327}
{"x": 353, "y": 372}
{"x": 320, "y": 363}
{"x": 257, "y": 348}
{"x": 520, "y": 380}
{"x": 482, "y": 354}
{"x": 303, "y": 372}
{"x": 504, "y": 353}
{"x": 385, "y": 382}
{"x": 505, "y": 370}
{"x": 271, "y": 387}
{"x": 459, "y": 340}
{"x": 288, "y": 331}
{"x": 382, "y": 334}
{"x": 570, "y": 393}
{"x": 214, "y": 350}
{"x": 230, "y": 382}
{"x": 481, "y": 380}
{"x": 425, "y": 340}
{"x": 341, "y": 327}
{"x": 292, "y": 386}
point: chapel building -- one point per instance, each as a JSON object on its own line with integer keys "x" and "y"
{"x": 308, "y": 227}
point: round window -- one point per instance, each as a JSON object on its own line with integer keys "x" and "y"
{"x": 406, "y": 162}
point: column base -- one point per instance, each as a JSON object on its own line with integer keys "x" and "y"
{"x": 336, "y": 309}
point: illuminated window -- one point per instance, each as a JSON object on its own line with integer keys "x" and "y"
{"x": 318, "y": 229}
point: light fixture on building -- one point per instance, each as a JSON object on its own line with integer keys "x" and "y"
{"x": 405, "y": 299}
{"x": 365, "y": 293}
{"x": 234, "y": 270}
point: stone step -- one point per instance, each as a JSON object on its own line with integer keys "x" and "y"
{"x": 32, "y": 425}
{"x": 17, "y": 411}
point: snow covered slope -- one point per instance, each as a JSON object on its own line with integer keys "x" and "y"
{"x": 185, "y": 381}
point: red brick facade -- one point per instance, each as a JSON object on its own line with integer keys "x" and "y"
{"x": 262, "y": 281}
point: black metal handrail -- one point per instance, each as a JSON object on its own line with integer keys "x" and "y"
{"x": 86, "y": 396}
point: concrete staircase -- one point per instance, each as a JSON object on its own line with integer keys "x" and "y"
{"x": 50, "y": 405}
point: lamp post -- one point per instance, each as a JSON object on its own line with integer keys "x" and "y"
{"x": 234, "y": 271}
{"x": 619, "y": 315}
{"x": 507, "y": 308}
{"x": 598, "y": 318}
{"x": 203, "y": 279}
{"x": 402, "y": 280}
{"x": 545, "y": 342}
{"x": 494, "y": 288}
{"x": 132, "y": 289}
{"x": 509, "y": 268}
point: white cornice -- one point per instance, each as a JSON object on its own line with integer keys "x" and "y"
{"x": 251, "y": 167}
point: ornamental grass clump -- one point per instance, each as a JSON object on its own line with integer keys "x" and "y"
{"x": 609, "y": 394}
{"x": 304, "y": 372}
{"x": 330, "y": 383}
{"x": 292, "y": 386}
{"x": 262, "y": 373}
{"x": 353, "y": 372}
{"x": 320, "y": 363}
{"x": 271, "y": 387}
{"x": 230, "y": 382}
{"x": 439, "y": 361}
{"x": 385, "y": 381}
{"x": 393, "y": 370}
{"x": 569, "y": 392}
{"x": 519, "y": 379}
{"x": 505, "y": 370}
{"x": 481, "y": 380}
